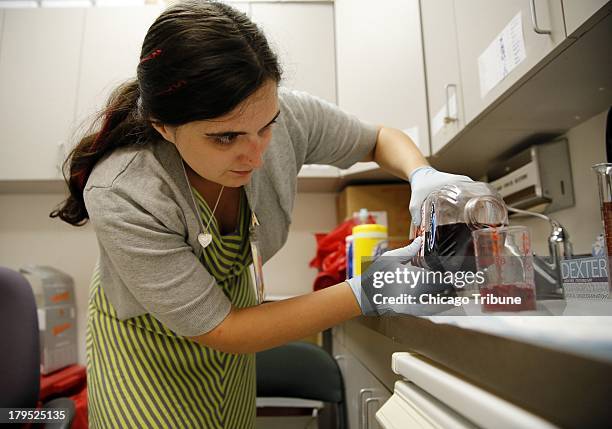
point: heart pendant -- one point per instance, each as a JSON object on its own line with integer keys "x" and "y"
{"x": 204, "y": 239}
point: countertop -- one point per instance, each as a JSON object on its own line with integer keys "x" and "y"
{"x": 579, "y": 327}
{"x": 558, "y": 367}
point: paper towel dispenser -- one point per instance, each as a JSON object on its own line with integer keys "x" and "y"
{"x": 538, "y": 178}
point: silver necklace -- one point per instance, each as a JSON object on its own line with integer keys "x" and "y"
{"x": 204, "y": 237}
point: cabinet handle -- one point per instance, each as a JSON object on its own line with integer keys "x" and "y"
{"x": 534, "y": 19}
{"x": 367, "y": 413}
{"x": 448, "y": 118}
{"x": 361, "y": 406}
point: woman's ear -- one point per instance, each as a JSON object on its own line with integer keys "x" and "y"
{"x": 168, "y": 132}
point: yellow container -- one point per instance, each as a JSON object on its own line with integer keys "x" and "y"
{"x": 369, "y": 240}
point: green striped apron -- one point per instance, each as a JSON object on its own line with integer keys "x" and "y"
{"x": 142, "y": 375}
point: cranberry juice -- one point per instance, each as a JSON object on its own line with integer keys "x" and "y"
{"x": 606, "y": 215}
{"x": 450, "y": 248}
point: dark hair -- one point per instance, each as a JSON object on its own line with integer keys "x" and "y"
{"x": 199, "y": 60}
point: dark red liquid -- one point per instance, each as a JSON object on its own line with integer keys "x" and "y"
{"x": 606, "y": 215}
{"x": 526, "y": 293}
{"x": 607, "y": 221}
{"x": 450, "y": 248}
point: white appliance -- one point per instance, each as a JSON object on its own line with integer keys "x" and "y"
{"x": 539, "y": 178}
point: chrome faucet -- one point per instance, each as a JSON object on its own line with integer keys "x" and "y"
{"x": 549, "y": 280}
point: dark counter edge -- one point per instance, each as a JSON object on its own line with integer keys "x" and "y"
{"x": 568, "y": 390}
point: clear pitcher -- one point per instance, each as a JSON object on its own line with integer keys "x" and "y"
{"x": 449, "y": 215}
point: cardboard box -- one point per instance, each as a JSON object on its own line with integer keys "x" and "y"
{"x": 392, "y": 198}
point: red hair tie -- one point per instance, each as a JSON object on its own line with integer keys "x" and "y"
{"x": 172, "y": 88}
{"x": 152, "y": 55}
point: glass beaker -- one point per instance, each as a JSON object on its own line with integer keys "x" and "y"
{"x": 505, "y": 258}
{"x": 604, "y": 181}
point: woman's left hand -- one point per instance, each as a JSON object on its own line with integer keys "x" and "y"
{"x": 425, "y": 180}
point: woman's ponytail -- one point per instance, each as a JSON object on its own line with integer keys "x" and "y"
{"x": 122, "y": 124}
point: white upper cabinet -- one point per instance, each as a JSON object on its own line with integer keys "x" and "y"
{"x": 381, "y": 77}
{"x": 578, "y": 11}
{"x": 111, "y": 51}
{"x": 302, "y": 34}
{"x": 499, "y": 42}
{"x": 444, "y": 88}
{"x": 39, "y": 66}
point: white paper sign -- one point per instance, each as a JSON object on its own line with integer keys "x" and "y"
{"x": 585, "y": 278}
{"x": 504, "y": 53}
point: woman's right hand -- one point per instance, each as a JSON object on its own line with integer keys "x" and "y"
{"x": 383, "y": 263}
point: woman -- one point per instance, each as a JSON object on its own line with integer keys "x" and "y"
{"x": 193, "y": 169}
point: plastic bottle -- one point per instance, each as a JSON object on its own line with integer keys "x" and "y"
{"x": 369, "y": 240}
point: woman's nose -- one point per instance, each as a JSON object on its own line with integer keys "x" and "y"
{"x": 256, "y": 149}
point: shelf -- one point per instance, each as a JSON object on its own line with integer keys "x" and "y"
{"x": 51, "y": 186}
{"x": 325, "y": 178}
{"x": 312, "y": 178}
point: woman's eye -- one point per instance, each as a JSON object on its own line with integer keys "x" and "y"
{"x": 268, "y": 127}
{"x": 225, "y": 140}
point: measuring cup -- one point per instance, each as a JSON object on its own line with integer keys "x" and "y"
{"x": 505, "y": 258}
{"x": 604, "y": 182}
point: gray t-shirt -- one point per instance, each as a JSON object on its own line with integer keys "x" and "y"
{"x": 141, "y": 209}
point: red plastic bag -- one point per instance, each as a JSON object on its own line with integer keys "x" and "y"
{"x": 69, "y": 382}
{"x": 330, "y": 259}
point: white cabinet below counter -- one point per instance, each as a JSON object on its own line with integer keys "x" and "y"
{"x": 364, "y": 394}
{"x": 430, "y": 397}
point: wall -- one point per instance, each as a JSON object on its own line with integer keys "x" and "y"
{"x": 583, "y": 222}
{"x": 28, "y": 235}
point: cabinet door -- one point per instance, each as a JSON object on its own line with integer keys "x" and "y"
{"x": 363, "y": 392}
{"x": 488, "y": 67}
{"x": 343, "y": 357}
{"x": 39, "y": 64}
{"x": 576, "y": 12}
{"x": 442, "y": 69}
{"x": 381, "y": 76}
{"x": 302, "y": 34}
{"x": 111, "y": 51}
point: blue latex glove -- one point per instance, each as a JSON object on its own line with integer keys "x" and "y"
{"x": 423, "y": 181}
{"x": 403, "y": 255}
